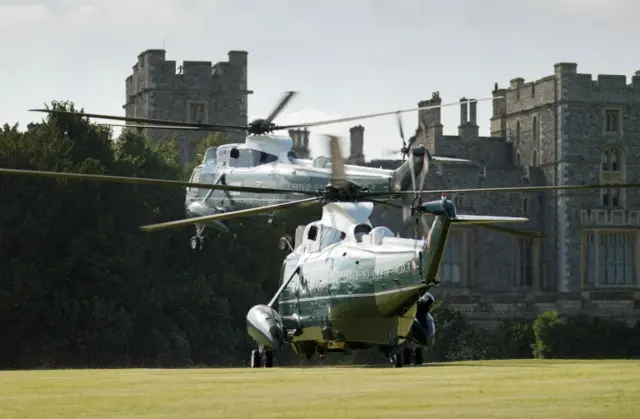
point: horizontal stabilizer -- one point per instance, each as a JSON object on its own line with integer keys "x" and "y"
{"x": 486, "y": 219}
{"x": 436, "y": 159}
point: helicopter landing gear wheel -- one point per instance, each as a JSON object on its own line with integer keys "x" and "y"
{"x": 397, "y": 358}
{"x": 255, "y": 360}
{"x": 197, "y": 243}
{"x": 268, "y": 358}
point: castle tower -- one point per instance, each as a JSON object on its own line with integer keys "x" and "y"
{"x": 195, "y": 91}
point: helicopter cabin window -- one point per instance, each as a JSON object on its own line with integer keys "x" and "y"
{"x": 323, "y": 237}
{"x": 244, "y": 157}
{"x": 210, "y": 155}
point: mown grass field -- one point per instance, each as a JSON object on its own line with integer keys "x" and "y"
{"x": 492, "y": 389}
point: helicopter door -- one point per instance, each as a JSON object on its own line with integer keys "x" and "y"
{"x": 193, "y": 193}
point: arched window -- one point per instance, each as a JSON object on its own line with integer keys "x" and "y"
{"x": 613, "y": 171}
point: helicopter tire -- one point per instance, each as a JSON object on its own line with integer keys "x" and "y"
{"x": 397, "y": 358}
{"x": 406, "y": 356}
{"x": 255, "y": 359}
{"x": 268, "y": 359}
{"x": 417, "y": 356}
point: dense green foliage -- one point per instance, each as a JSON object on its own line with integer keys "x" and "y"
{"x": 584, "y": 337}
{"x": 82, "y": 286}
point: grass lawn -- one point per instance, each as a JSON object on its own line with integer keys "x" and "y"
{"x": 491, "y": 389}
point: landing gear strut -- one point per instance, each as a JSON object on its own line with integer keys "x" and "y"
{"x": 261, "y": 358}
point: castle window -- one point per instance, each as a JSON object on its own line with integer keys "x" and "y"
{"x": 196, "y": 113}
{"x": 525, "y": 204}
{"x": 518, "y": 132}
{"x": 517, "y": 158}
{"x": 524, "y": 266}
{"x": 612, "y": 121}
{"x": 534, "y": 131}
{"x": 483, "y": 169}
{"x": 451, "y": 265}
{"x": 609, "y": 258}
{"x": 613, "y": 171}
{"x": 534, "y": 158}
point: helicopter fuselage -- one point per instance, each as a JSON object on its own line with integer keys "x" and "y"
{"x": 266, "y": 161}
{"x": 356, "y": 287}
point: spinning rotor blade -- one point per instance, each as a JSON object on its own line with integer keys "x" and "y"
{"x": 257, "y": 127}
{"x": 232, "y": 214}
{"x": 283, "y": 102}
{"x": 510, "y": 189}
{"x": 172, "y": 124}
{"x": 404, "y": 144}
{"x": 338, "y": 173}
{"x": 148, "y": 181}
{"x": 373, "y": 115}
{"x": 148, "y": 126}
{"x": 284, "y": 285}
{"x": 437, "y": 159}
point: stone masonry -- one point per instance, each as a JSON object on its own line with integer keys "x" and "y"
{"x": 195, "y": 91}
{"x": 563, "y": 129}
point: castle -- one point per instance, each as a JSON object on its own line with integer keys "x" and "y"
{"x": 562, "y": 129}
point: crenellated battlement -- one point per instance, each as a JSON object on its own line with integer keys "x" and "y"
{"x": 570, "y": 85}
{"x": 153, "y": 71}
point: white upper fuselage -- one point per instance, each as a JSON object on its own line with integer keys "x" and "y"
{"x": 280, "y": 146}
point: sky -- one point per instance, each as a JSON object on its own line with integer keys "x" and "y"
{"x": 345, "y": 58}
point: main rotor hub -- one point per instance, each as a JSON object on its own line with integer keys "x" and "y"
{"x": 260, "y": 126}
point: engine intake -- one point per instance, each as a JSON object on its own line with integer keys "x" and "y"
{"x": 264, "y": 325}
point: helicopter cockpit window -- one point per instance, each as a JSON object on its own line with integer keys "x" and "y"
{"x": 210, "y": 156}
{"x": 222, "y": 155}
{"x": 326, "y": 237}
{"x": 195, "y": 178}
{"x": 250, "y": 158}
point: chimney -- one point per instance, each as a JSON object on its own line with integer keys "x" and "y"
{"x": 357, "y": 144}
{"x": 295, "y": 136}
{"x": 463, "y": 112}
{"x": 473, "y": 112}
